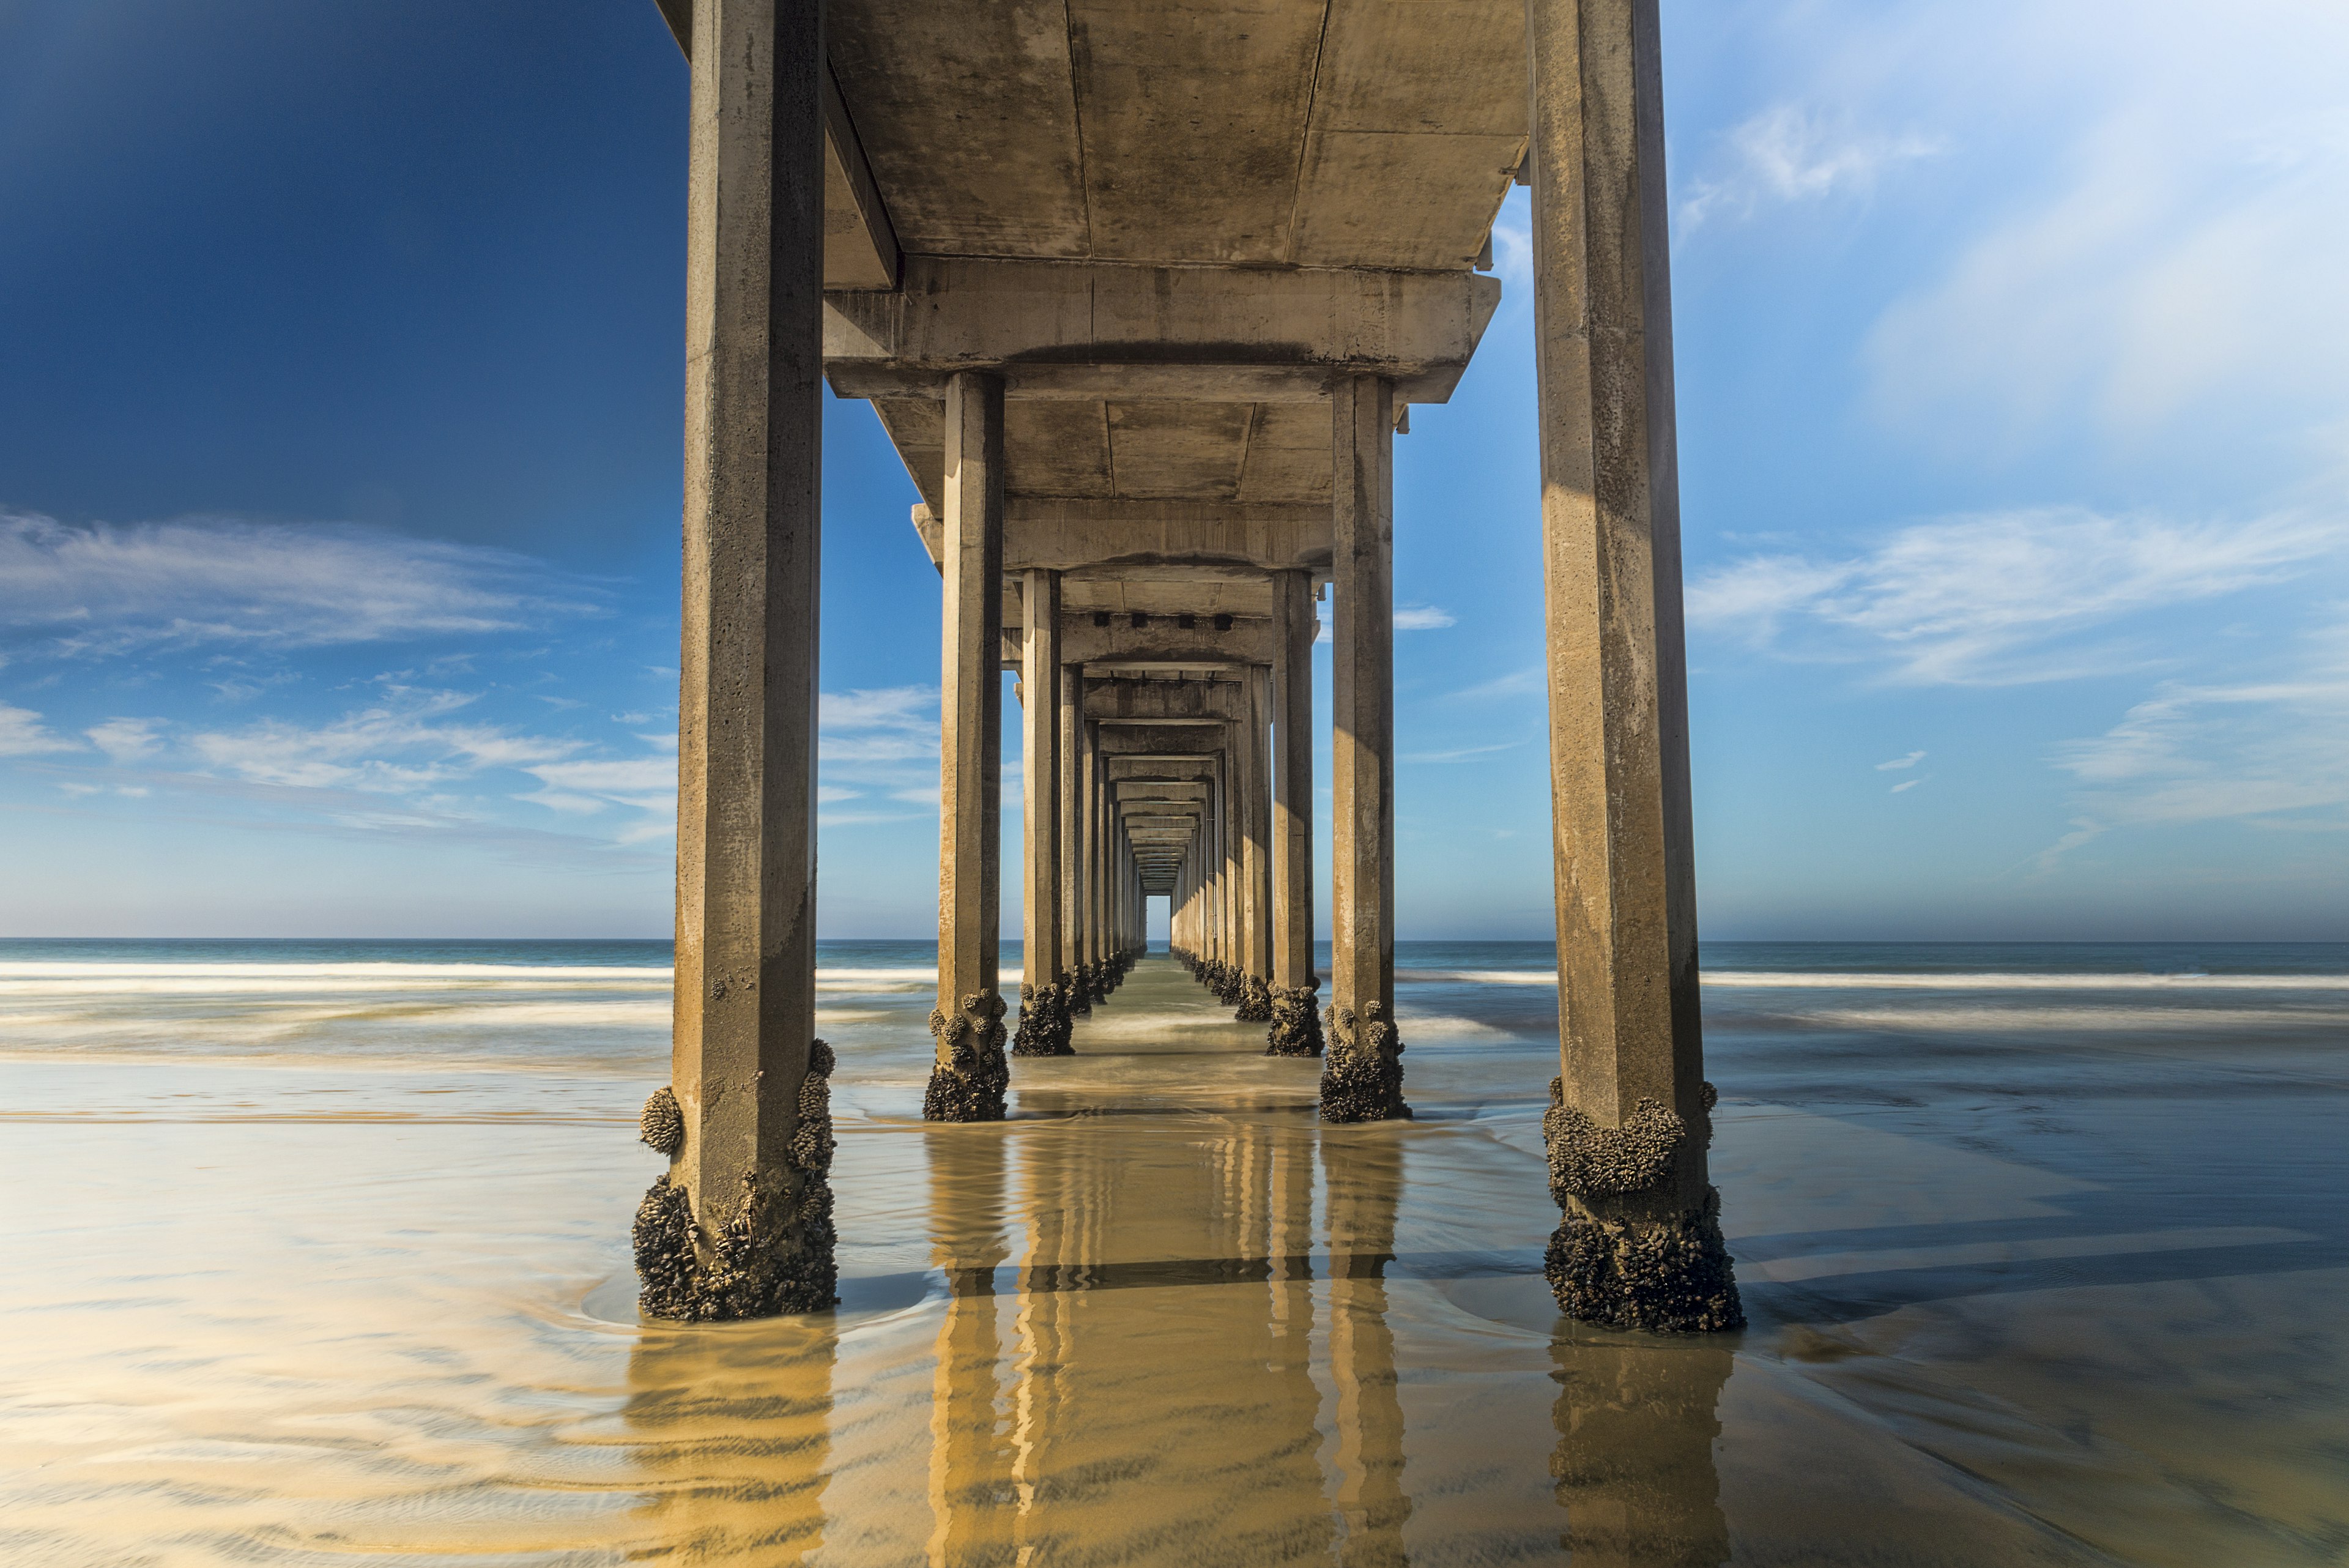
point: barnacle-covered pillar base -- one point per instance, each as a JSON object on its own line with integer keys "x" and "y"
{"x": 1296, "y": 1027}
{"x": 1361, "y": 1076}
{"x": 767, "y": 1251}
{"x": 967, "y": 1082}
{"x": 1629, "y": 1253}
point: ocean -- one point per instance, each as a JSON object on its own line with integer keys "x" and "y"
{"x": 317, "y": 1254}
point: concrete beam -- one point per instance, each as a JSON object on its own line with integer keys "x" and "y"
{"x": 1133, "y": 701}
{"x": 1065, "y": 533}
{"x": 1091, "y": 330}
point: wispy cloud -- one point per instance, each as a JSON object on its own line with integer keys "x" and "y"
{"x": 1791, "y": 152}
{"x": 1422, "y": 618}
{"x": 883, "y": 725}
{"x": 1910, "y": 761}
{"x": 125, "y": 739}
{"x": 1526, "y": 682}
{"x": 104, "y": 588}
{"x": 2001, "y": 599}
{"x": 22, "y": 734}
{"x": 406, "y": 744}
{"x": 1460, "y": 754}
{"x": 1906, "y": 784}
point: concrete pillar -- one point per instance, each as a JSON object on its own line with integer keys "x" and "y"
{"x": 1640, "y": 1245}
{"x": 1255, "y": 755}
{"x": 1296, "y": 1026}
{"x": 1074, "y": 954}
{"x": 740, "y": 1224}
{"x": 1044, "y": 1019}
{"x": 1362, "y": 1078}
{"x": 967, "y": 1082}
{"x": 1096, "y": 844}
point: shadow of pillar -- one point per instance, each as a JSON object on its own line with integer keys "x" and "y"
{"x": 972, "y": 1486}
{"x": 730, "y": 1428}
{"x": 1363, "y": 1172}
{"x": 1634, "y": 1467}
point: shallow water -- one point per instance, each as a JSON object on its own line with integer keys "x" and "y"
{"x": 320, "y": 1258}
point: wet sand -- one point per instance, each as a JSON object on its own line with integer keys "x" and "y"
{"x": 2018, "y": 1298}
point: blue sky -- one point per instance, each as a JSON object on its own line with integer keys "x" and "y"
{"x": 339, "y": 454}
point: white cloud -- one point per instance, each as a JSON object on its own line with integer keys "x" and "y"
{"x": 1910, "y": 761}
{"x": 2165, "y": 255}
{"x": 125, "y": 739}
{"x": 882, "y": 726}
{"x": 1791, "y": 153}
{"x": 1991, "y": 599}
{"x": 1422, "y": 618}
{"x": 401, "y": 745}
{"x": 1906, "y": 784}
{"x": 1526, "y": 682}
{"x": 22, "y": 734}
{"x": 103, "y": 588}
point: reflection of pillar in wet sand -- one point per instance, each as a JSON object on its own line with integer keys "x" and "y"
{"x": 1640, "y": 1246}
{"x": 971, "y": 1483}
{"x": 1056, "y": 1216}
{"x": 1636, "y": 1425}
{"x": 730, "y": 1435}
{"x": 1363, "y": 1174}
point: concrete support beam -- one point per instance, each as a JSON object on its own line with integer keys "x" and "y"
{"x": 1640, "y": 1245}
{"x": 1068, "y": 533}
{"x": 969, "y": 1077}
{"x": 1105, "y": 330}
{"x": 1362, "y": 1078}
{"x": 740, "y": 1224}
{"x": 1296, "y": 1025}
{"x": 1044, "y": 1018}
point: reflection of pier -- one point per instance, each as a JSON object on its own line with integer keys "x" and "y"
{"x": 1143, "y": 293}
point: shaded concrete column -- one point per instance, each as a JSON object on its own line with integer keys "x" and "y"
{"x": 1256, "y": 752}
{"x": 967, "y": 1083}
{"x": 1363, "y": 1080}
{"x": 1296, "y": 1027}
{"x": 740, "y": 1224}
{"x": 1044, "y": 1019}
{"x": 1074, "y": 954}
{"x": 1640, "y": 1245}
{"x": 1096, "y": 860}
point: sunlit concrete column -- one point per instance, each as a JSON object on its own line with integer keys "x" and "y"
{"x": 1043, "y": 999}
{"x": 740, "y": 1224}
{"x": 967, "y": 1081}
{"x": 1640, "y": 1246}
{"x": 1363, "y": 1077}
{"x": 1296, "y": 1026}
{"x": 1074, "y": 954}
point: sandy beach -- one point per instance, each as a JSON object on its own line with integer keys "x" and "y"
{"x": 322, "y": 1259}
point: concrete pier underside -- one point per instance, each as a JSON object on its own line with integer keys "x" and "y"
{"x": 1142, "y": 292}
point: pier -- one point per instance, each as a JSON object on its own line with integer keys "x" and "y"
{"x": 1143, "y": 291}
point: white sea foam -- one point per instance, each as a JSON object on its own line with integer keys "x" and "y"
{"x": 1475, "y": 977}
{"x": 1772, "y": 979}
{"x": 1986, "y": 1019}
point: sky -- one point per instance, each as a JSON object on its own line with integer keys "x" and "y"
{"x": 341, "y": 402}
